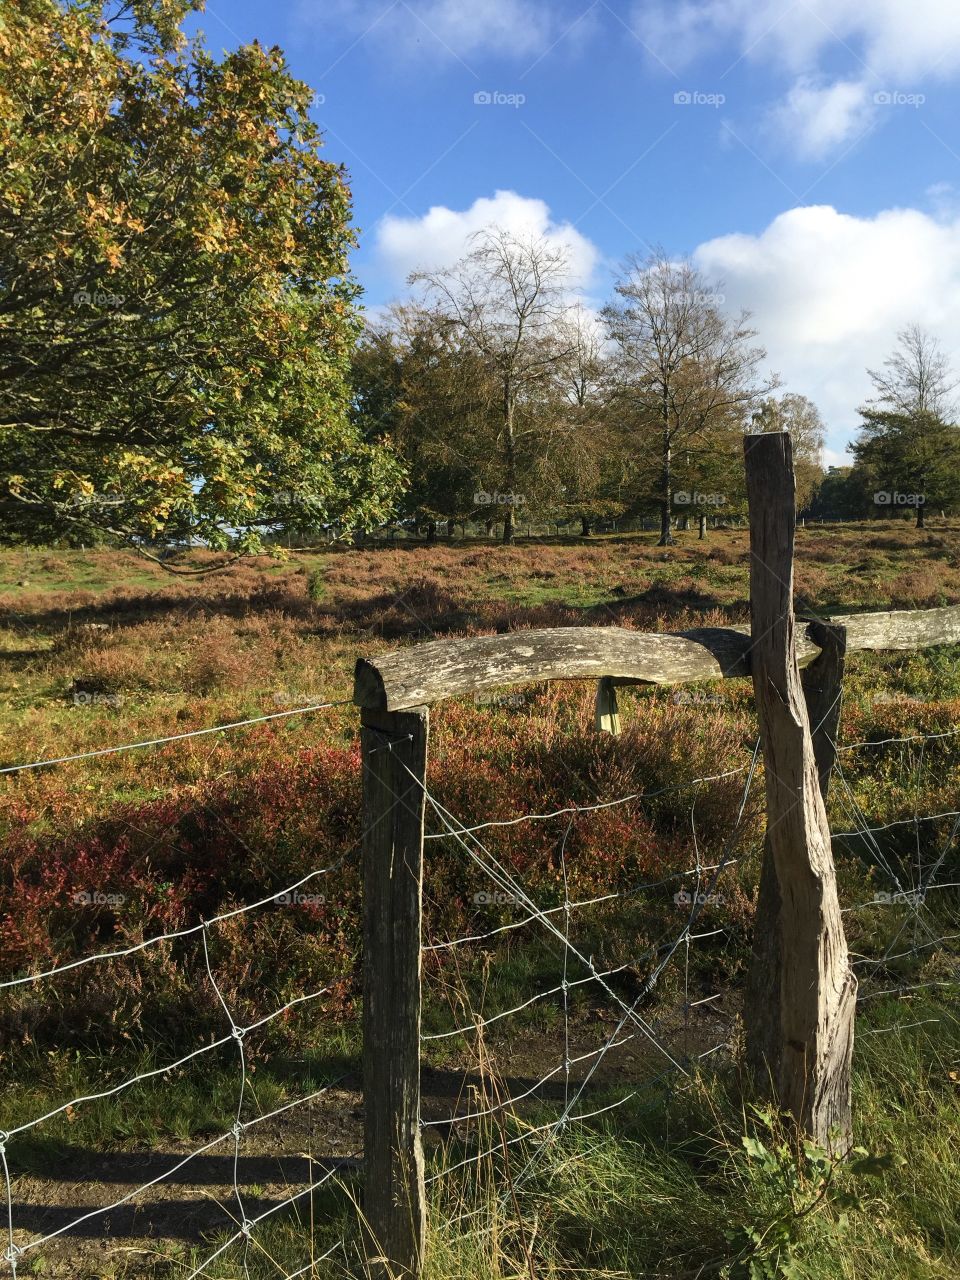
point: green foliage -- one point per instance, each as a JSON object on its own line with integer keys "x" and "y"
{"x": 914, "y": 453}
{"x": 176, "y": 309}
{"x": 793, "y": 1180}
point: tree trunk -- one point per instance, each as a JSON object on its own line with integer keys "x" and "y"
{"x": 702, "y": 530}
{"x": 431, "y": 532}
{"x": 666, "y": 496}
{"x": 919, "y": 515}
{"x": 585, "y": 526}
{"x": 817, "y": 985}
{"x": 511, "y": 461}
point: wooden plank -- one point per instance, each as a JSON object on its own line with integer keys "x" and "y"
{"x": 822, "y": 683}
{"x": 428, "y": 673}
{"x": 817, "y": 985}
{"x": 424, "y": 674}
{"x": 393, "y": 808}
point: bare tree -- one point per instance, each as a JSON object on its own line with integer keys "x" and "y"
{"x": 507, "y": 298}
{"x": 916, "y": 377}
{"x": 683, "y": 368}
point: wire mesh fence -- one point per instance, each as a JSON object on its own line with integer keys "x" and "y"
{"x": 546, "y": 1008}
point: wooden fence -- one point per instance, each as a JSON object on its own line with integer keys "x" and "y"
{"x": 801, "y": 994}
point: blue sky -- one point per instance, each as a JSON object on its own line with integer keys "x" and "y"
{"x": 806, "y": 154}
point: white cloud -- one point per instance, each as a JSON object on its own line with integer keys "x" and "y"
{"x": 829, "y": 292}
{"x": 885, "y": 37}
{"x": 439, "y": 28}
{"x": 439, "y": 237}
{"x": 819, "y": 118}
{"x": 888, "y": 46}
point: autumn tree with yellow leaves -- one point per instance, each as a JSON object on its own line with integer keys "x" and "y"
{"x": 177, "y": 312}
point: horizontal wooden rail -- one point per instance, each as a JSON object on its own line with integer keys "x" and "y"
{"x": 428, "y": 673}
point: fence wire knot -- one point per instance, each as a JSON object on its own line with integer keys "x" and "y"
{"x": 237, "y": 1131}
{"x": 247, "y": 1227}
{"x": 238, "y": 1033}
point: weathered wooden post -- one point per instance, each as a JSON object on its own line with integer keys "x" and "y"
{"x": 394, "y": 1200}
{"x": 606, "y": 707}
{"x": 817, "y": 988}
{"x": 822, "y": 683}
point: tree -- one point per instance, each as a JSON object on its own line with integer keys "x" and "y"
{"x": 842, "y": 494}
{"x": 916, "y": 377}
{"x": 417, "y": 382}
{"x": 801, "y": 417}
{"x": 912, "y": 460}
{"x": 590, "y": 468}
{"x": 906, "y": 447}
{"x": 176, "y": 308}
{"x": 506, "y": 299}
{"x": 685, "y": 372}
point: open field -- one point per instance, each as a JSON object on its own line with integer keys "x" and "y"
{"x": 99, "y": 649}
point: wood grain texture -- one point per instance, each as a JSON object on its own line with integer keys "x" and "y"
{"x": 425, "y": 674}
{"x": 817, "y": 985}
{"x": 394, "y": 1199}
{"x": 822, "y": 683}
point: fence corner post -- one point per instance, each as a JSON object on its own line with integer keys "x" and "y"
{"x": 393, "y": 747}
{"x": 822, "y": 682}
{"x": 817, "y": 987}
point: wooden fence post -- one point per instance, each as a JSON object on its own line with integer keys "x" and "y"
{"x": 394, "y": 1199}
{"x": 816, "y": 983}
{"x": 606, "y": 708}
{"x": 822, "y": 683}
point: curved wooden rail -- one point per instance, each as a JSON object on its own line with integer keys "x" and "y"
{"x": 424, "y": 674}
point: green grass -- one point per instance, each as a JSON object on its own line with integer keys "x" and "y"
{"x": 668, "y": 1188}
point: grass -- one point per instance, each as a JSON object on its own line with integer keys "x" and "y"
{"x": 100, "y": 648}
{"x": 671, "y": 1189}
